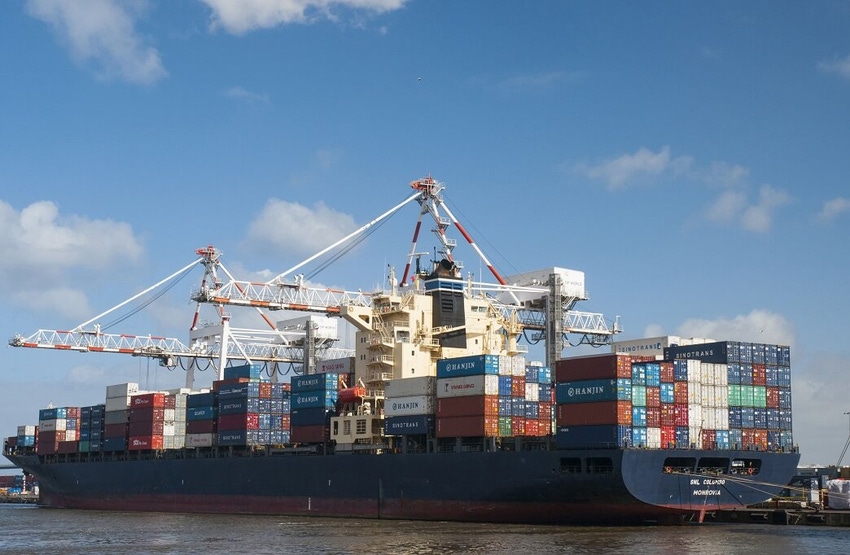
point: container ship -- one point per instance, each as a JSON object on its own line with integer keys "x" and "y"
{"x": 438, "y": 415}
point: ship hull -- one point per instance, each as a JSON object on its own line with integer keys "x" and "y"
{"x": 606, "y": 486}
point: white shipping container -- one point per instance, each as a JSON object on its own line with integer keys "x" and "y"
{"x": 722, "y": 418}
{"x": 406, "y": 387}
{"x": 505, "y": 366}
{"x": 52, "y": 425}
{"x": 709, "y": 418}
{"x": 168, "y": 415}
{"x": 70, "y": 435}
{"x": 653, "y": 438}
{"x": 200, "y": 440}
{"x": 168, "y": 429}
{"x": 343, "y": 365}
{"x": 409, "y": 406}
{"x": 532, "y": 392}
{"x": 464, "y": 386}
{"x": 122, "y": 390}
{"x": 694, "y": 393}
{"x": 27, "y": 430}
{"x": 695, "y": 417}
{"x": 694, "y": 372}
{"x": 517, "y": 366}
{"x": 117, "y": 403}
{"x": 721, "y": 374}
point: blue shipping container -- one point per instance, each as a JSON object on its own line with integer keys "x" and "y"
{"x": 239, "y": 437}
{"x": 593, "y": 436}
{"x": 585, "y": 391}
{"x": 309, "y": 416}
{"x": 253, "y": 371}
{"x": 314, "y": 399}
{"x": 467, "y": 366}
{"x": 200, "y": 413}
{"x": 419, "y": 424}
{"x": 238, "y": 405}
{"x": 705, "y": 352}
{"x": 315, "y": 382}
{"x": 201, "y": 400}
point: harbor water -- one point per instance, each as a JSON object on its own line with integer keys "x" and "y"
{"x": 28, "y": 529}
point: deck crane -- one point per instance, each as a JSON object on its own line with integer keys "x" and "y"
{"x": 553, "y": 320}
{"x": 549, "y": 312}
{"x": 214, "y": 342}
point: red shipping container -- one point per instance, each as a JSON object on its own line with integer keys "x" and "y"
{"x": 285, "y": 422}
{"x": 667, "y": 372}
{"x": 265, "y": 390}
{"x": 147, "y": 400}
{"x": 145, "y": 443}
{"x": 668, "y": 414}
{"x": 200, "y": 426}
{"x": 759, "y": 374}
{"x": 680, "y": 393}
{"x": 518, "y": 386}
{"x": 518, "y": 425}
{"x": 653, "y": 417}
{"x": 680, "y": 416}
{"x": 147, "y": 414}
{"x": 115, "y": 430}
{"x": 668, "y": 437}
{"x": 468, "y": 426}
{"x": 145, "y": 428}
{"x": 760, "y": 439}
{"x": 286, "y": 387}
{"x": 218, "y": 383}
{"x": 544, "y": 426}
{"x": 531, "y": 428}
{"x": 308, "y": 434}
{"x": 709, "y": 439}
{"x": 475, "y": 405}
{"x": 772, "y": 397}
{"x": 170, "y": 401}
{"x": 72, "y": 412}
{"x": 67, "y": 447}
{"x": 653, "y": 397}
{"x": 248, "y": 421}
{"x": 593, "y": 414}
{"x": 544, "y": 411}
{"x": 747, "y": 438}
{"x": 48, "y": 442}
{"x": 593, "y": 367}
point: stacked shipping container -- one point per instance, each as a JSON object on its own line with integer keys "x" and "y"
{"x": 704, "y": 396}
{"x": 492, "y": 396}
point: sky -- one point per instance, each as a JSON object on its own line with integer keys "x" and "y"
{"x": 690, "y": 158}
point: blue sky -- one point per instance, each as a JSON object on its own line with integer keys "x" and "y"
{"x": 690, "y": 158}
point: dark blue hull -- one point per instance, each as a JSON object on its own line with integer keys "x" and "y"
{"x": 605, "y": 486}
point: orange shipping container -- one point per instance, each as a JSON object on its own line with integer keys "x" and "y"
{"x": 475, "y": 405}
{"x": 468, "y": 426}
{"x": 594, "y": 367}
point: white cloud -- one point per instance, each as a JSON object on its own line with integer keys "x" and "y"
{"x": 40, "y": 248}
{"x": 102, "y": 32}
{"x": 240, "y": 16}
{"x": 725, "y": 174}
{"x": 537, "y": 81}
{"x": 759, "y": 326}
{"x": 840, "y": 67}
{"x": 759, "y": 217}
{"x": 728, "y": 206}
{"x": 619, "y": 172}
{"x": 733, "y": 206}
{"x": 833, "y": 208}
{"x": 247, "y": 96}
{"x": 293, "y": 228}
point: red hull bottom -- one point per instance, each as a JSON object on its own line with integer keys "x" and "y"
{"x": 460, "y": 511}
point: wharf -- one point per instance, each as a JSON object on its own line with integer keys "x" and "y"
{"x": 781, "y": 516}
